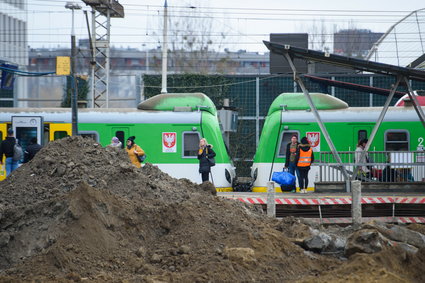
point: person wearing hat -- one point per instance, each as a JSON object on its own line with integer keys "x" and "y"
{"x": 133, "y": 150}
{"x": 304, "y": 159}
{"x": 290, "y": 163}
{"x": 6, "y": 148}
{"x": 115, "y": 142}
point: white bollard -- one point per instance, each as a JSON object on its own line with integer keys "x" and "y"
{"x": 271, "y": 205}
{"x": 356, "y": 203}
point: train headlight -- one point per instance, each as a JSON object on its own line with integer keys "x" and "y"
{"x": 228, "y": 177}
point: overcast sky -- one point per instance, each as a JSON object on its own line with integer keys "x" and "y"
{"x": 236, "y": 24}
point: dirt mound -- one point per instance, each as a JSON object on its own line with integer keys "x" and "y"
{"x": 79, "y": 211}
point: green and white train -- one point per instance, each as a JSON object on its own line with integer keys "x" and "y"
{"x": 290, "y": 114}
{"x": 167, "y": 126}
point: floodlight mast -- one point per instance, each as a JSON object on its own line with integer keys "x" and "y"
{"x": 73, "y": 6}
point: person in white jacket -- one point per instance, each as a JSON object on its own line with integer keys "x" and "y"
{"x": 363, "y": 170}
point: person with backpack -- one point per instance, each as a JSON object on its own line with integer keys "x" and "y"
{"x": 134, "y": 152}
{"x": 7, "y": 148}
{"x": 304, "y": 159}
{"x": 31, "y": 150}
{"x": 206, "y": 159}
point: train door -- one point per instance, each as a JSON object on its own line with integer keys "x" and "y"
{"x": 3, "y": 133}
{"x": 27, "y": 128}
{"x": 58, "y": 131}
{"x": 122, "y": 133}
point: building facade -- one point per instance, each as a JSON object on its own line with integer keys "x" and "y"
{"x": 13, "y": 49}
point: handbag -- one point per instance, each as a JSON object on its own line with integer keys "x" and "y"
{"x": 141, "y": 158}
{"x": 211, "y": 161}
{"x": 283, "y": 178}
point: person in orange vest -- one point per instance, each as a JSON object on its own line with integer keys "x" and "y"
{"x": 304, "y": 159}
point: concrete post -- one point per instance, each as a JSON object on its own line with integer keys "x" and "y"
{"x": 271, "y": 205}
{"x": 356, "y": 204}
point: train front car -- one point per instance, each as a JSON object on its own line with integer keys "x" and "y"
{"x": 180, "y": 161}
{"x": 289, "y": 114}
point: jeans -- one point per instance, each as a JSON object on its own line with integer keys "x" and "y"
{"x": 10, "y": 165}
{"x": 205, "y": 176}
{"x": 292, "y": 168}
{"x": 304, "y": 177}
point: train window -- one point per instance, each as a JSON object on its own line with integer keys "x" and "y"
{"x": 285, "y": 139}
{"x": 397, "y": 140}
{"x": 59, "y": 135}
{"x": 89, "y": 134}
{"x": 190, "y": 144}
{"x": 121, "y": 136}
{"x": 361, "y": 134}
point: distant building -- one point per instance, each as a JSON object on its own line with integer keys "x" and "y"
{"x": 127, "y": 65}
{"x": 279, "y": 65}
{"x": 355, "y": 42}
{"x": 13, "y": 49}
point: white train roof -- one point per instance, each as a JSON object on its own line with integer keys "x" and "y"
{"x": 353, "y": 114}
{"x": 108, "y": 116}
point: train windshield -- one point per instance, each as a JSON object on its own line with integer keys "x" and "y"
{"x": 284, "y": 140}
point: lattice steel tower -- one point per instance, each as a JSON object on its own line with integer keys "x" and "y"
{"x": 102, "y": 12}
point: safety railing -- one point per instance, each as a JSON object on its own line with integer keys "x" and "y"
{"x": 377, "y": 166}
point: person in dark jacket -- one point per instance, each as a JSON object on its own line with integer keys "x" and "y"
{"x": 205, "y": 152}
{"x": 6, "y": 148}
{"x": 304, "y": 159}
{"x": 31, "y": 150}
{"x": 291, "y": 152}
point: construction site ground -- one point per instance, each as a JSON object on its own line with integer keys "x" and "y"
{"x": 80, "y": 212}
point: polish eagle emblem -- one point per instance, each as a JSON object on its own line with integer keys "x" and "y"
{"x": 169, "y": 139}
{"x": 313, "y": 139}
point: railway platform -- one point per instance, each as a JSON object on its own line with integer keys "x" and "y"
{"x": 335, "y": 208}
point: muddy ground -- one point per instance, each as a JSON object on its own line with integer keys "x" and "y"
{"x": 80, "y": 212}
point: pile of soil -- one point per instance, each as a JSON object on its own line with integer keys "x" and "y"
{"x": 80, "y": 212}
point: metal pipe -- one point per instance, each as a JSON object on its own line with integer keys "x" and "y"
{"x": 377, "y": 125}
{"x": 317, "y": 116}
{"x": 415, "y": 101}
{"x": 164, "y": 51}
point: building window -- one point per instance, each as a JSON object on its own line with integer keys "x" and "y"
{"x": 190, "y": 144}
{"x": 285, "y": 139}
{"x": 397, "y": 140}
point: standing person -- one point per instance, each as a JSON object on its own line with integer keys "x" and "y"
{"x": 363, "y": 170}
{"x": 133, "y": 150}
{"x": 6, "y": 148}
{"x": 31, "y": 150}
{"x": 304, "y": 159}
{"x": 290, "y": 163}
{"x": 115, "y": 142}
{"x": 205, "y": 152}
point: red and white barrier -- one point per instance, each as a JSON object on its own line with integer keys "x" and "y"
{"x": 348, "y": 220}
{"x": 331, "y": 201}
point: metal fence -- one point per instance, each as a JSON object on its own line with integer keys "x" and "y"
{"x": 378, "y": 166}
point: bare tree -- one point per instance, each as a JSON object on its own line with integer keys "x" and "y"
{"x": 194, "y": 43}
{"x": 319, "y": 37}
